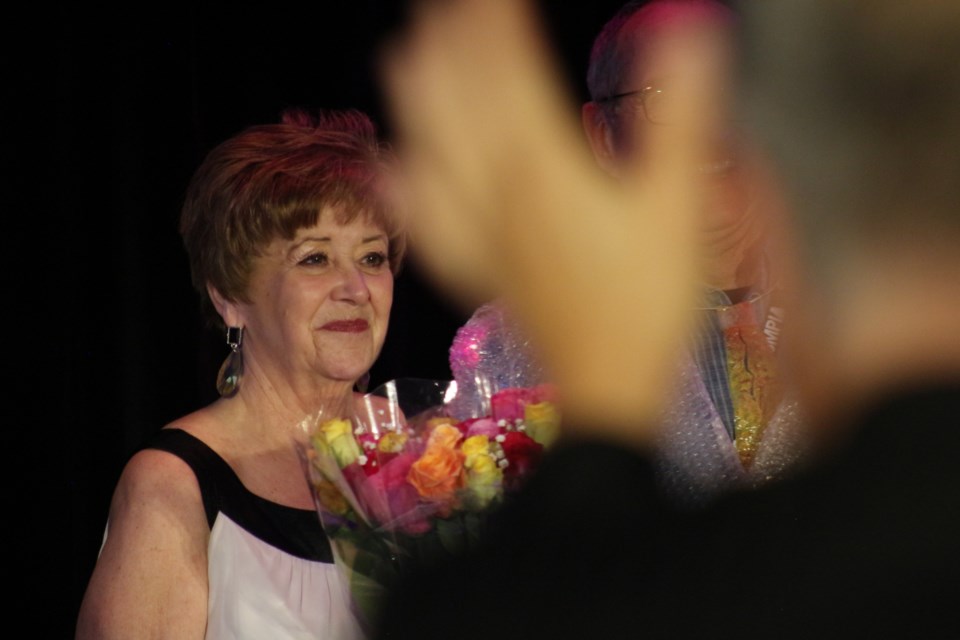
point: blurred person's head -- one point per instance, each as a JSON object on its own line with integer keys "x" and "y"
{"x": 630, "y": 93}
{"x": 857, "y": 102}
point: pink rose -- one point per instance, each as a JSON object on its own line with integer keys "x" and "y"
{"x": 387, "y": 496}
{"x": 483, "y": 427}
{"x": 355, "y": 475}
{"x": 393, "y": 473}
{"x": 507, "y": 404}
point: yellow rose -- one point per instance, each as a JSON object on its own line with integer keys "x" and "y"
{"x": 392, "y": 442}
{"x": 542, "y": 420}
{"x": 338, "y": 435}
{"x": 484, "y": 478}
{"x": 473, "y": 447}
{"x": 330, "y": 497}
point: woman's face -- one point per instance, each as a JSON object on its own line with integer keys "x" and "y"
{"x": 319, "y": 303}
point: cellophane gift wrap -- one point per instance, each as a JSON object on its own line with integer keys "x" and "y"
{"x": 413, "y": 475}
{"x": 700, "y": 453}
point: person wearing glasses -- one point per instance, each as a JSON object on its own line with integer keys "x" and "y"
{"x": 731, "y": 422}
{"x": 859, "y": 110}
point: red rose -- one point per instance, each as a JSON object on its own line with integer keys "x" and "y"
{"x": 394, "y": 470}
{"x": 523, "y": 454}
{"x": 368, "y": 449}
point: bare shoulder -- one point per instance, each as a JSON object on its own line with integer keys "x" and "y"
{"x": 159, "y": 478}
{"x": 150, "y": 580}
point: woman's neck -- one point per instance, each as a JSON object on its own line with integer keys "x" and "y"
{"x": 275, "y": 408}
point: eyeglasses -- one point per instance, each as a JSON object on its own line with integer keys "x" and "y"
{"x": 654, "y": 101}
{"x": 658, "y": 105}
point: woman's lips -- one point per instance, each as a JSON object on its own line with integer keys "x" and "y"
{"x": 347, "y": 326}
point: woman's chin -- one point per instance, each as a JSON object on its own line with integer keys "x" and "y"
{"x": 346, "y": 373}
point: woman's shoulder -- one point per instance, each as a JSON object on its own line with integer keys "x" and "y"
{"x": 156, "y": 527}
{"x": 155, "y": 489}
{"x": 153, "y": 472}
{"x": 157, "y": 474}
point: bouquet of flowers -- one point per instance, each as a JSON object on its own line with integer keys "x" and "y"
{"x": 414, "y": 474}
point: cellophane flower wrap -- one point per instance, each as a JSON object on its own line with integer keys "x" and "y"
{"x": 414, "y": 474}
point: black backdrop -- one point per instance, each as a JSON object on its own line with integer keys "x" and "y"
{"x": 106, "y": 112}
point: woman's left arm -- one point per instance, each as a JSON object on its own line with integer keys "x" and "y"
{"x": 150, "y": 581}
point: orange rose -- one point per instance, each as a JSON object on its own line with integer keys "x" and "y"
{"x": 444, "y": 435}
{"x": 436, "y": 421}
{"x": 438, "y": 473}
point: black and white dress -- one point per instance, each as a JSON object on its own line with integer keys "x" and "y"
{"x": 270, "y": 568}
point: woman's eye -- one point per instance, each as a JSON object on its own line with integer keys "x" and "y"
{"x": 375, "y": 259}
{"x": 315, "y": 259}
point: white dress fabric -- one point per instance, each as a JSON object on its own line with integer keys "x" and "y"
{"x": 270, "y": 568}
{"x": 259, "y": 591}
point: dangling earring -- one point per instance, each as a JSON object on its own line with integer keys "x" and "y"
{"x": 228, "y": 379}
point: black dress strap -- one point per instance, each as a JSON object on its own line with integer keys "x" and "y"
{"x": 295, "y": 531}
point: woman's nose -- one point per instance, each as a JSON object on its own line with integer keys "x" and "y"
{"x": 352, "y": 286}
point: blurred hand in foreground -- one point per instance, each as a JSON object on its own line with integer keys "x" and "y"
{"x": 507, "y": 202}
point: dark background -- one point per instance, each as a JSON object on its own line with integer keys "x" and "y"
{"x": 106, "y": 112}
